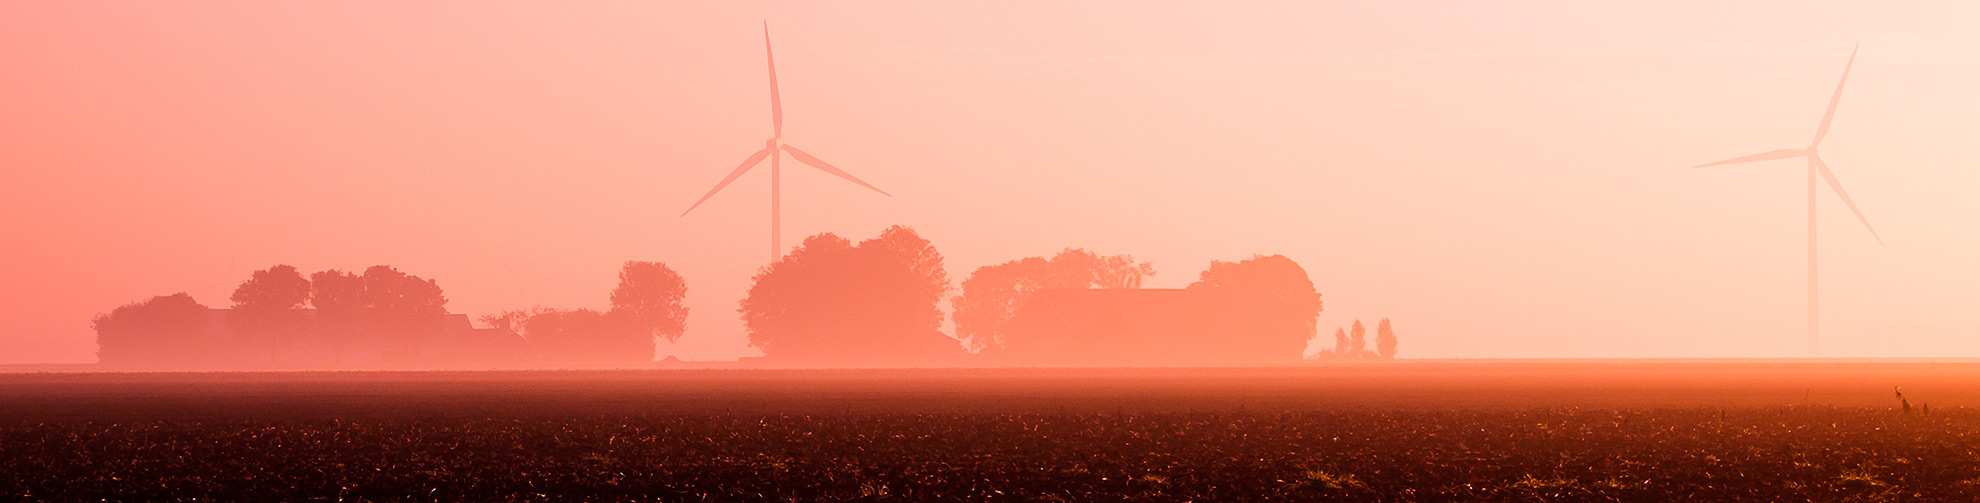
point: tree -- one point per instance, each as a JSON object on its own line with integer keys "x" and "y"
{"x": 396, "y": 298}
{"x": 336, "y": 293}
{"x": 1276, "y": 276}
{"x": 1358, "y": 343}
{"x": 1269, "y": 300}
{"x": 267, "y": 307}
{"x": 1340, "y": 342}
{"x": 278, "y": 288}
{"x": 338, "y": 297}
{"x": 991, "y": 295}
{"x": 1385, "y": 339}
{"x": 1078, "y": 268}
{"x": 1119, "y": 271}
{"x": 402, "y": 309}
{"x": 405, "y": 310}
{"x": 170, "y": 330}
{"x": 832, "y": 302}
{"x": 649, "y": 294}
{"x": 587, "y": 336}
{"x": 513, "y": 319}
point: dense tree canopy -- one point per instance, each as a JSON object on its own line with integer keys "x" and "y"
{"x": 991, "y": 295}
{"x": 832, "y": 302}
{"x": 1275, "y": 276}
{"x": 336, "y": 293}
{"x": 164, "y": 330}
{"x": 514, "y": 319}
{"x": 404, "y": 310}
{"x": 650, "y": 294}
{"x": 268, "y": 308}
{"x": 382, "y": 298}
{"x": 278, "y": 288}
{"x": 382, "y": 304}
{"x": 382, "y": 317}
{"x": 587, "y": 336}
{"x": 397, "y": 297}
{"x": 1277, "y": 291}
{"x": 646, "y": 303}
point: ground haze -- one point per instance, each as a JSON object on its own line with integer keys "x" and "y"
{"x": 1406, "y": 385}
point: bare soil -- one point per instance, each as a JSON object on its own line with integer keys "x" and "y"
{"x": 1405, "y": 431}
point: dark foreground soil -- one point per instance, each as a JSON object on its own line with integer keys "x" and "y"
{"x": 170, "y": 440}
{"x": 1780, "y": 454}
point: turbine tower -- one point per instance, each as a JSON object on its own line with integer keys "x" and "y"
{"x": 1815, "y": 168}
{"x": 771, "y": 149}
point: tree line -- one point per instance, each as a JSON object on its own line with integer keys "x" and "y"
{"x": 383, "y": 317}
{"x": 829, "y": 302}
{"x": 647, "y": 304}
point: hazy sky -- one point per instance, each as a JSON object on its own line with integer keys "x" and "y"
{"x": 1502, "y": 180}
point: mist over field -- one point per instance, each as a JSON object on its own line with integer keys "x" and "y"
{"x": 1014, "y": 251}
{"x": 1500, "y": 182}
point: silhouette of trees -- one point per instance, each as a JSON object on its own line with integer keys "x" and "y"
{"x": 1357, "y": 342}
{"x": 646, "y": 303}
{"x": 1272, "y": 278}
{"x": 401, "y": 309}
{"x": 335, "y": 292}
{"x": 390, "y": 317}
{"x": 268, "y": 308}
{"x": 1385, "y": 339}
{"x": 991, "y": 295}
{"x": 1269, "y": 300}
{"x": 829, "y": 302}
{"x": 398, "y": 299}
{"x": 832, "y": 302}
{"x": 1353, "y": 342}
{"x": 278, "y": 288}
{"x": 1078, "y": 268}
{"x": 587, "y": 336}
{"x": 649, "y": 294}
{"x": 338, "y": 297}
{"x": 164, "y": 330}
{"x": 512, "y": 320}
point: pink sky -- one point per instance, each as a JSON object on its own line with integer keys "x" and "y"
{"x": 1501, "y": 180}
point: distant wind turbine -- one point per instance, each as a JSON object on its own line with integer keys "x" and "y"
{"x": 770, "y": 150}
{"x": 1815, "y": 167}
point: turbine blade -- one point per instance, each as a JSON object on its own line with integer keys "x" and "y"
{"x": 776, "y": 102}
{"x": 822, "y": 166}
{"x": 1830, "y": 176}
{"x": 1786, "y": 153}
{"x": 744, "y": 168}
{"x": 1830, "y": 115}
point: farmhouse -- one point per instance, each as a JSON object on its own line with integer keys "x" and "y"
{"x": 1154, "y": 327}
{"x": 301, "y": 340}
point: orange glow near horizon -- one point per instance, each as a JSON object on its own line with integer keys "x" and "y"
{"x": 1500, "y": 181}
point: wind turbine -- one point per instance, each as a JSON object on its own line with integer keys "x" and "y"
{"x": 771, "y": 149}
{"x": 1815, "y": 168}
